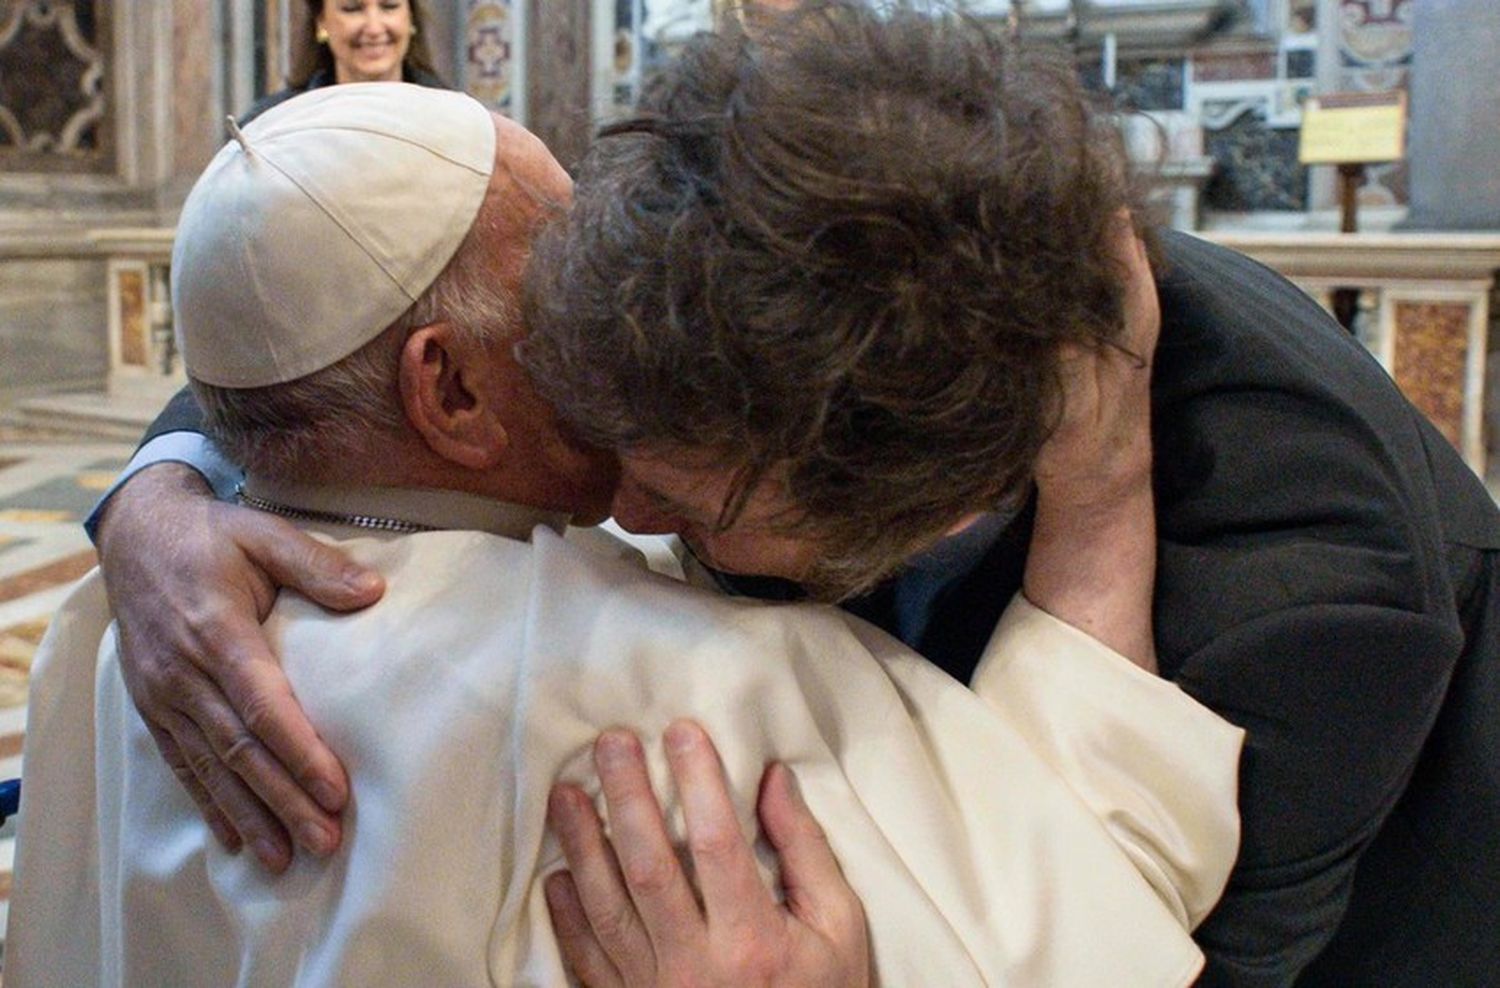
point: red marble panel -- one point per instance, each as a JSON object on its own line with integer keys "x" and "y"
{"x": 1432, "y": 340}
{"x": 134, "y": 331}
{"x": 197, "y": 128}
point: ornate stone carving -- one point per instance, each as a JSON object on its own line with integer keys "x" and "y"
{"x": 1374, "y": 41}
{"x": 489, "y": 49}
{"x": 55, "y": 110}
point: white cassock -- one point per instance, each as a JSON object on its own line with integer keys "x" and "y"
{"x": 1064, "y": 823}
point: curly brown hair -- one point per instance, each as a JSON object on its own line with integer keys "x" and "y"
{"x": 849, "y": 245}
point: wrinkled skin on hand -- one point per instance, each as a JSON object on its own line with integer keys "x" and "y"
{"x": 189, "y": 581}
{"x": 626, "y": 915}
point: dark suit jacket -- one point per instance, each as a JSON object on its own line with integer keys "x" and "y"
{"x": 322, "y": 78}
{"x": 1329, "y": 580}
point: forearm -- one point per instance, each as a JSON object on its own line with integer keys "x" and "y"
{"x": 1093, "y": 566}
{"x": 1327, "y": 758}
{"x": 175, "y": 437}
{"x": 1092, "y": 560}
{"x": 167, "y": 478}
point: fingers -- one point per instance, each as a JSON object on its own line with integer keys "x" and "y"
{"x": 581, "y": 951}
{"x": 235, "y": 748}
{"x": 266, "y": 720}
{"x": 733, "y": 895}
{"x": 265, "y": 803}
{"x": 1141, "y": 308}
{"x": 598, "y": 884}
{"x": 816, "y": 891}
{"x": 261, "y": 831}
{"x": 292, "y": 558}
{"x": 229, "y": 807}
{"x": 648, "y": 862}
{"x": 222, "y": 829}
{"x": 633, "y": 920}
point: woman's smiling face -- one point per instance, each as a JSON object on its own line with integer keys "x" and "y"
{"x": 368, "y": 38}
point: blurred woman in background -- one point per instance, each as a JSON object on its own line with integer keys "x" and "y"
{"x": 356, "y": 41}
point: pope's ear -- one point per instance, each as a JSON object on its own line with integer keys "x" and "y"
{"x": 447, "y": 397}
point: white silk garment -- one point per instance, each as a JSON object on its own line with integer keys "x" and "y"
{"x": 1064, "y": 825}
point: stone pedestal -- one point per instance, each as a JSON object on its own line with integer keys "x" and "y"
{"x": 1427, "y": 303}
{"x": 51, "y": 313}
{"x": 143, "y": 359}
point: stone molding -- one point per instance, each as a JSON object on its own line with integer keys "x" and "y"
{"x": 1466, "y": 257}
{"x": 1426, "y": 310}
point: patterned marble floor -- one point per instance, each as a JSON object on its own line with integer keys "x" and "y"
{"x": 45, "y": 492}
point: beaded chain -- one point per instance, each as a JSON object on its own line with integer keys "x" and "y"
{"x": 331, "y": 518}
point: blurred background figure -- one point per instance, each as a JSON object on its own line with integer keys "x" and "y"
{"x": 356, "y": 41}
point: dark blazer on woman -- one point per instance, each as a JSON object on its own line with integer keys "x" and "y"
{"x": 324, "y": 77}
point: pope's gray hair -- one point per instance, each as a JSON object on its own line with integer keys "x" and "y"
{"x": 340, "y": 417}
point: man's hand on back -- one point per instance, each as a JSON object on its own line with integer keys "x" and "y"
{"x": 189, "y": 581}
{"x": 625, "y": 914}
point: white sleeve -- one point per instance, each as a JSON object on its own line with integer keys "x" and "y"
{"x": 1157, "y": 767}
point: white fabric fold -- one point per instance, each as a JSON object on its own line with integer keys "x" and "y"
{"x": 484, "y": 675}
{"x": 1163, "y": 802}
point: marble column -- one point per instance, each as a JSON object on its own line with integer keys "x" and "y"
{"x": 1455, "y": 117}
{"x": 559, "y": 83}
{"x": 197, "y": 121}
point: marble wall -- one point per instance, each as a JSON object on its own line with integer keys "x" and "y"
{"x": 1242, "y": 95}
{"x": 52, "y": 314}
{"x": 560, "y": 80}
{"x": 91, "y": 142}
{"x": 1245, "y": 90}
{"x": 197, "y": 108}
{"x": 1455, "y": 137}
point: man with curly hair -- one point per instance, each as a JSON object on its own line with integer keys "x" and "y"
{"x": 818, "y": 291}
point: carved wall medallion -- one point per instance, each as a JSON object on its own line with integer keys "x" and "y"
{"x": 56, "y": 111}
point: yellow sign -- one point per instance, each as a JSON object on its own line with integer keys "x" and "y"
{"x": 1350, "y": 128}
